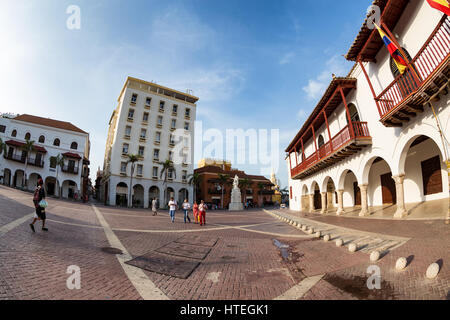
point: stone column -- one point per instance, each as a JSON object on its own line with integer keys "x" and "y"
{"x": 340, "y": 210}
{"x": 311, "y": 203}
{"x": 401, "y": 209}
{"x": 146, "y": 199}
{"x": 364, "y": 203}
{"x": 324, "y": 203}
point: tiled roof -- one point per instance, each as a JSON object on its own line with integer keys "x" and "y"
{"x": 72, "y": 155}
{"x": 232, "y": 173}
{"x": 21, "y": 144}
{"x": 49, "y": 123}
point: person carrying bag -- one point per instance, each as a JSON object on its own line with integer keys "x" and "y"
{"x": 40, "y": 204}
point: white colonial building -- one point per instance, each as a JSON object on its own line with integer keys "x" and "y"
{"x": 52, "y": 138}
{"x": 373, "y": 141}
{"x": 157, "y": 124}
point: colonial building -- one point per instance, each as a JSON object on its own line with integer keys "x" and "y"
{"x": 373, "y": 140}
{"x": 258, "y": 192}
{"x": 157, "y": 124}
{"x": 52, "y": 138}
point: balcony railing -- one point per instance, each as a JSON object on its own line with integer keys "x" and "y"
{"x": 69, "y": 169}
{"x": 339, "y": 141}
{"x": 31, "y": 161}
{"x": 428, "y": 60}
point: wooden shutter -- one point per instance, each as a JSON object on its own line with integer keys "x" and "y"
{"x": 357, "y": 194}
{"x": 388, "y": 190}
{"x": 432, "y": 176}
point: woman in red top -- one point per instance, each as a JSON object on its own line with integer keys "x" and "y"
{"x": 195, "y": 209}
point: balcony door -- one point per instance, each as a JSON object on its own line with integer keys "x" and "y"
{"x": 354, "y": 115}
{"x": 38, "y": 159}
{"x": 71, "y": 166}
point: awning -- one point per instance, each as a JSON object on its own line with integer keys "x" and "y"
{"x": 71, "y": 155}
{"x": 21, "y": 144}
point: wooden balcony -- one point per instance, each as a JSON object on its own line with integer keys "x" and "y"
{"x": 429, "y": 74}
{"x": 346, "y": 143}
{"x": 69, "y": 169}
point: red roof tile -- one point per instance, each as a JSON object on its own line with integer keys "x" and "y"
{"x": 21, "y": 144}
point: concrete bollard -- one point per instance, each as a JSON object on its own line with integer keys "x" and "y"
{"x": 339, "y": 243}
{"x": 326, "y": 238}
{"x": 352, "y": 247}
{"x": 401, "y": 263}
{"x": 374, "y": 256}
{"x": 432, "y": 271}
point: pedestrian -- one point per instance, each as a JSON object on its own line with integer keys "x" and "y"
{"x": 195, "y": 210}
{"x": 202, "y": 213}
{"x": 172, "y": 208}
{"x": 186, "y": 207}
{"x": 154, "y": 209}
{"x": 38, "y": 200}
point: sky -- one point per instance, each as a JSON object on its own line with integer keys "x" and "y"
{"x": 254, "y": 64}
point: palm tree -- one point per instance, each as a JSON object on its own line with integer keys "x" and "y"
{"x": 132, "y": 158}
{"x": 59, "y": 162}
{"x": 244, "y": 184}
{"x": 167, "y": 166}
{"x": 28, "y": 147}
{"x": 260, "y": 188}
{"x": 223, "y": 179}
{"x": 195, "y": 180}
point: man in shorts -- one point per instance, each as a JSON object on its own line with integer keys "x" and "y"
{"x": 39, "y": 195}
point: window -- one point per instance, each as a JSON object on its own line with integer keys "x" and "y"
{"x": 160, "y": 121}
{"x": 74, "y": 146}
{"x": 394, "y": 68}
{"x": 353, "y": 113}
{"x": 186, "y": 126}
{"x": 139, "y": 169}
{"x": 131, "y": 114}
{"x": 145, "y": 117}
{"x": 127, "y": 131}
{"x": 184, "y": 175}
{"x": 41, "y": 139}
{"x": 123, "y": 167}
{"x": 187, "y": 113}
{"x": 172, "y": 139}
{"x": 170, "y": 155}
{"x": 56, "y": 142}
{"x": 175, "y": 109}
{"x": 28, "y": 136}
{"x": 134, "y": 98}
{"x": 14, "y": 133}
{"x": 161, "y": 105}
{"x": 184, "y": 158}
{"x": 148, "y": 101}
{"x": 53, "y": 162}
{"x": 158, "y": 137}
{"x": 156, "y": 154}
{"x": 2, "y": 129}
{"x": 141, "y": 151}
{"x": 174, "y": 124}
{"x": 321, "y": 141}
{"x": 125, "y": 148}
{"x": 170, "y": 174}
{"x": 143, "y": 133}
{"x": 155, "y": 172}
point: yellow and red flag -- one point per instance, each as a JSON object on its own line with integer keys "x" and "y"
{"x": 441, "y": 5}
{"x": 399, "y": 60}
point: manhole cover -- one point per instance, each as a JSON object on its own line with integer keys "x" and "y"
{"x": 185, "y": 250}
{"x": 111, "y": 250}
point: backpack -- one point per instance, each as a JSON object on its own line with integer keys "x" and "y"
{"x": 36, "y": 194}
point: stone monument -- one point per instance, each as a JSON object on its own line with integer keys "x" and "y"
{"x": 236, "y": 198}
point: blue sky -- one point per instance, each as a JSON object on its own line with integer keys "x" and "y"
{"x": 254, "y": 64}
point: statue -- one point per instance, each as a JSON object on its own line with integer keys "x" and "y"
{"x": 236, "y": 198}
{"x": 236, "y": 182}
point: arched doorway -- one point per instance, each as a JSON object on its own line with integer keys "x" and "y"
{"x": 18, "y": 179}
{"x": 305, "y": 198}
{"x": 317, "y": 196}
{"x": 138, "y": 196}
{"x": 50, "y": 186}
{"x": 331, "y": 195}
{"x": 122, "y": 194}
{"x": 70, "y": 190}
{"x": 352, "y": 194}
{"x": 354, "y": 115}
{"x": 170, "y": 193}
{"x": 7, "y": 177}
{"x": 320, "y": 141}
{"x": 153, "y": 193}
{"x": 425, "y": 171}
{"x": 381, "y": 187}
{"x": 32, "y": 181}
{"x": 182, "y": 194}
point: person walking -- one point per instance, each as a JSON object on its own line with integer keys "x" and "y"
{"x": 202, "y": 213}
{"x": 39, "y": 195}
{"x": 186, "y": 207}
{"x": 154, "y": 208}
{"x": 195, "y": 210}
{"x": 172, "y": 208}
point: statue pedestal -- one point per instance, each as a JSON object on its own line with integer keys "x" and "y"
{"x": 236, "y": 204}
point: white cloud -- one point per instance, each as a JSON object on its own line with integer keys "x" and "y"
{"x": 317, "y": 86}
{"x": 287, "y": 58}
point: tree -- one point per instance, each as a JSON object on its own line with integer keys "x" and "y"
{"x": 223, "y": 180}
{"x": 167, "y": 166}
{"x": 28, "y": 147}
{"x": 260, "y": 188}
{"x": 244, "y": 184}
{"x": 59, "y": 163}
{"x": 284, "y": 193}
{"x": 195, "y": 180}
{"x": 132, "y": 158}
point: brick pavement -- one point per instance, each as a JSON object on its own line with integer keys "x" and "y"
{"x": 244, "y": 264}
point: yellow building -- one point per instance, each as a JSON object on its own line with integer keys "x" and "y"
{"x": 277, "y": 196}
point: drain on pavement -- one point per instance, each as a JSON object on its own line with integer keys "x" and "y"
{"x": 111, "y": 250}
{"x": 164, "y": 264}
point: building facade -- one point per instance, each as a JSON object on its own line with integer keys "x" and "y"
{"x": 157, "y": 124}
{"x": 259, "y": 192}
{"x": 52, "y": 138}
{"x": 373, "y": 140}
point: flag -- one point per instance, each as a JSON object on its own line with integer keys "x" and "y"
{"x": 441, "y": 5}
{"x": 399, "y": 60}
